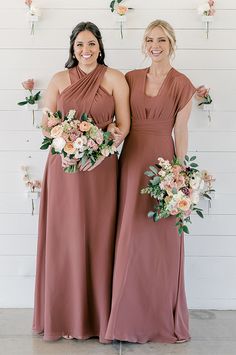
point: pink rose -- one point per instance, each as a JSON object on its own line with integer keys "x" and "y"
{"x": 28, "y": 84}
{"x": 52, "y": 121}
{"x": 92, "y": 144}
{"x": 202, "y": 91}
{"x": 121, "y": 10}
{"x": 69, "y": 148}
{"x": 85, "y": 126}
{"x": 56, "y": 131}
{"x": 184, "y": 204}
{"x": 99, "y": 138}
{"x": 28, "y": 2}
{"x": 211, "y": 2}
{"x": 174, "y": 211}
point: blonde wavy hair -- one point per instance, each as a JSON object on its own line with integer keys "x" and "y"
{"x": 167, "y": 29}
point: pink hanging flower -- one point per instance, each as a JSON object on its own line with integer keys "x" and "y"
{"x": 28, "y": 2}
{"x": 28, "y": 84}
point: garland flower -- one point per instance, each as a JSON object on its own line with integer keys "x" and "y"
{"x": 33, "y": 185}
{"x": 202, "y": 94}
{"x": 120, "y": 10}
{"x": 177, "y": 188}
{"x": 31, "y": 99}
{"x": 207, "y": 11}
{"x": 33, "y": 15}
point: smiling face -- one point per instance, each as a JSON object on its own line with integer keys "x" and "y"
{"x": 86, "y": 48}
{"x": 157, "y": 45}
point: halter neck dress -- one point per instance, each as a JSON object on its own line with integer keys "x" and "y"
{"x": 77, "y": 228}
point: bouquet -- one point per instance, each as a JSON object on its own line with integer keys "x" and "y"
{"x": 177, "y": 189}
{"x": 79, "y": 140}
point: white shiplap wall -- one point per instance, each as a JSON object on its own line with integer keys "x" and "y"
{"x": 211, "y": 249}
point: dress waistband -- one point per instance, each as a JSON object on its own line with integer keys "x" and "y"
{"x": 151, "y": 128}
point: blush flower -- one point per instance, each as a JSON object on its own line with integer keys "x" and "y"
{"x": 85, "y": 126}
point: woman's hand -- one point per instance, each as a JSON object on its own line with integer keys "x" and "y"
{"x": 116, "y": 133}
{"x": 66, "y": 162}
{"x": 89, "y": 167}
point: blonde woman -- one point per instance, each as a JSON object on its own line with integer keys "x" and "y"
{"x": 149, "y": 302}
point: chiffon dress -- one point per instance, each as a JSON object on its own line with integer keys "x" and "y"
{"x": 77, "y": 228}
{"x": 149, "y": 302}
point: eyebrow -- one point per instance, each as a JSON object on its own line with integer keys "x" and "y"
{"x": 157, "y": 37}
{"x": 92, "y": 41}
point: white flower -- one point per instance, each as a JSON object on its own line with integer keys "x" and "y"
{"x": 105, "y": 152}
{"x": 79, "y": 144}
{"x": 71, "y": 115}
{"x": 195, "y": 197}
{"x": 58, "y": 144}
{"x": 34, "y": 11}
{"x": 202, "y": 9}
{"x": 78, "y": 155}
{"x": 195, "y": 181}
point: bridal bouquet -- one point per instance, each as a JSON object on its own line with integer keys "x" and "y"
{"x": 79, "y": 140}
{"x": 177, "y": 189}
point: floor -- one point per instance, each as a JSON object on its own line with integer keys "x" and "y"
{"x": 213, "y": 333}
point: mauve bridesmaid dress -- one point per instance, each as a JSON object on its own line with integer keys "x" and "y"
{"x": 77, "y": 228}
{"x": 149, "y": 302}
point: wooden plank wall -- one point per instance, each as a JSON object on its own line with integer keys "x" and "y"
{"x": 211, "y": 248}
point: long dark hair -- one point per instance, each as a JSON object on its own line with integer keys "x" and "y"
{"x": 85, "y": 26}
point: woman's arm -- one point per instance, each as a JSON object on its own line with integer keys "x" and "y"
{"x": 120, "y": 91}
{"x": 181, "y": 131}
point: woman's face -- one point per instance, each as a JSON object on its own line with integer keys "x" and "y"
{"x": 157, "y": 45}
{"x": 86, "y": 48}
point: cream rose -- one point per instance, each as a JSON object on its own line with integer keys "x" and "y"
{"x": 56, "y": 131}
{"x": 58, "y": 144}
{"x": 69, "y": 148}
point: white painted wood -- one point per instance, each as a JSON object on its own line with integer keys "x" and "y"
{"x": 139, "y": 18}
{"x": 213, "y": 225}
{"x": 17, "y": 265}
{"x": 13, "y": 161}
{"x": 211, "y": 247}
{"x": 58, "y": 39}
{"x": 16, "y": 292}
{"x": 18, "y": 245}
{"x": 23, "y": 224}
{"x": 207, "y": 278}
{"x": 103, "y": 4}
{"x": 207, "y": 246}
{"x": 17, "y": 203}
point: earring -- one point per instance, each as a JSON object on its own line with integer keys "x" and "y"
{"x": 73, "y": 56}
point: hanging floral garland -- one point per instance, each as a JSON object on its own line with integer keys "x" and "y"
{"x": 34, "y": 187}
{"x": 207, "y": 11}
{"x": 120, "y": 11}
{"x": 30, "y": 101}
{"x": 33, "y": 15}
{"x": 206, "y": 102}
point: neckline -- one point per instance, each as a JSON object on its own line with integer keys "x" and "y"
{"x": 79, "y": 70}
{"x": 162, "y": 85}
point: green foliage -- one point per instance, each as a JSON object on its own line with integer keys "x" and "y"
{"x": 46, "y": 143}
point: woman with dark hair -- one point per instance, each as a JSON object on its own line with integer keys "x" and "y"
{"x": 78, "y": 211}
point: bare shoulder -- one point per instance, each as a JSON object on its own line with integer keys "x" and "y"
{"x": 114, "y": 74}
{"x": 60, "y": 76}
{"x": 60, "y": 80}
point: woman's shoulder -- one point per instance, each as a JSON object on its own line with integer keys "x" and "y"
{"x": 60, "y": 75}
{"x": 180, "y": 78}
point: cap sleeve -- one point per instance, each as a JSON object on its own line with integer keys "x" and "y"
{"x": 186, "y": 90}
